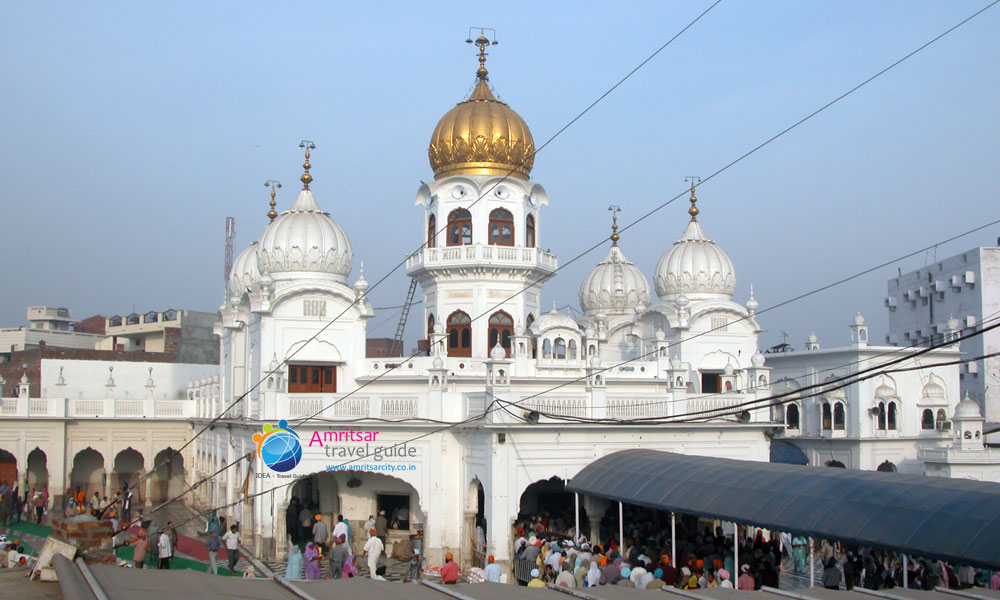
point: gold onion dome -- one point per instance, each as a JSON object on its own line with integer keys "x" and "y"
{"x": 481, "y": 136}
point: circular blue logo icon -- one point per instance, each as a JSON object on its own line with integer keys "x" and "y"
{"x": 279, "y": 447}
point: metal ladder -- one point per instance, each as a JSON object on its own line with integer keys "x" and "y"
{"x": 397, "y": 340}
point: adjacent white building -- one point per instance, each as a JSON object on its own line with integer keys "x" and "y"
{"x": 965, "y": 287}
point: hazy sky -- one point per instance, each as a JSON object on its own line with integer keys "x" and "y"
{"x": 131, "y": 130}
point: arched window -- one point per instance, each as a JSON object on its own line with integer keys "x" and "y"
{"x": 559, "y": 348}
{"x": 792, "y": 416}
{"x": 827, "y": 417}
{"x": 572, "y": 349}
{"x": 942, "y": 418}
{"x": 501, "y": 327}
{"x": 881, "y": 416}
{"x": 547, "y": 349}
{"x": 893, "y": 421}
{"x": 838, "y": 416}
{"x": 459, "y": 334}
{"x": 529, "y": 231}
{"x": 592, "y": 350}
{"x": 501, "y": 231}
{"x": 886, "y": 467}
{"x": 459, "y": 227}
{"x": 431, "y": 231}
{"x": 927, "y": 419}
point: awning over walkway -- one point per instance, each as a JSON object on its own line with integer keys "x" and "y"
{"x": 787, "y": 453}
{"x": 952, "y": 519}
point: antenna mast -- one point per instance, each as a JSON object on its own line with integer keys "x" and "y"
{"x": 228, "y": 266}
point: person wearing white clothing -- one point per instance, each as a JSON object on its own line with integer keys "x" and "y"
{"x": 166, "y": 551}
{"x": 340, "y": 529}
{"x": 373, "y": 549}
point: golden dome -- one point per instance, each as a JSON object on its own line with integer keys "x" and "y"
{"x": 481, "y": 136}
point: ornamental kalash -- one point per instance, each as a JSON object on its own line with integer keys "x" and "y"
{"x": 490, "y": 356}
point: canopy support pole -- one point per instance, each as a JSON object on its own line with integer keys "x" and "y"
{"x": 906, "y": 573}
{"x": 621, "y": 526}
{"x": 736, "y": 554}
{"x": 576, "y": 500}
{"x": 812, "y": 564}
{"x": 673, "y": 539}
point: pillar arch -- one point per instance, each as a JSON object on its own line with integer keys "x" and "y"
{"x": 548, "y": 500}
{"x": 474, "y": 545}
{"x": 168, "y": 479}
{"x": 8, "y": 467}
{"x": 88, "y": 472}
{"x": 128, "y": 468}
{"x": 38, "y": 470}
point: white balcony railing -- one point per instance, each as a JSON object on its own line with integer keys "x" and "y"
{"x": 344, "y": 406}
{"x": 96, "y": 408}
{"x": 442, "y": 257}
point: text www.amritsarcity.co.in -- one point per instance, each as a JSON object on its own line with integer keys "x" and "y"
{"x": 372, "y": 467}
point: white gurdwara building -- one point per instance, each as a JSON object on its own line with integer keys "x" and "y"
{"x": 510, "y": 400}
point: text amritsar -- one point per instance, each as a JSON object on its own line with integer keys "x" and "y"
{"x": 347, "y": 435}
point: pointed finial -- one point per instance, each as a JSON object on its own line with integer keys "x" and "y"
{"x": 483, "y": 42}
{"x": 615, "y": 209}
{"x": 306, "y": 178}
{"x": 693, "y": 211}
{"x": 274, "y": 185}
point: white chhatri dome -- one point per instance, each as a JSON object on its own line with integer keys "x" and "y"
{"x": 695, "y": 266}
{"x": 305, "y": 238}
{"x": 615, "y": 285}
{"x": 967, "y": 409}
{"x": 554, "y": 318}
{"x": 245, "y": 272}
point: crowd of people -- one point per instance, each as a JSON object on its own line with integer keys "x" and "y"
{"x": 549, "y": 552}
{"x": 16, "y": 507}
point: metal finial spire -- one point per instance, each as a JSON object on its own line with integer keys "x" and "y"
{"x": 274, "y": 185}
{"x": 693, "y": 211}
{"x": 483, "y": 42}
{"x": 615, "y": 209}
{"x": 306, "y": 178}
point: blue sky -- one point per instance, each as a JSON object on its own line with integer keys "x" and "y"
{"x": 131, "y": 130}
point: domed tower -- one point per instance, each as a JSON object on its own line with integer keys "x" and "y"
{"x": 615, "y": 286}
{"x": 695, "y": 267}
{"x": 481, "y": 225}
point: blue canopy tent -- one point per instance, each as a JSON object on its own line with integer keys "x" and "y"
{"x": 955, "y": 520}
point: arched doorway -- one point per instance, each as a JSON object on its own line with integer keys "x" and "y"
{"x": 836, "y": 464}
{"x": 475, "y": 525}
{"x": 358, "y": 496}
{"x": 8, "y": 468}
{"x": 88, "y": 473}
{"x": 168, "y": 480}
{"x": 886, "y": 467}
{"x": 547, "y": 504}
{"x": 38, "y": 470}
{"x": 129, "y": 465}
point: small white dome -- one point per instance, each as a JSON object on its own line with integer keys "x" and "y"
{"x": 305, "y": 238}
{"x": 884, "y": 390}
{"x": 859, "y": 319}
{"x": 498, "y": 352}
{"x": 615, "y": 285}
{"x": 967, "y": 409}
{"x": 933, "y": 390}
{"x": 554, "y": 319}
{"x": 757, "y": 359}
{"x": 245, "y": 272}
{"x": 438, "y": 362}
{"x": 361, "y": 285}
{"x": 695, "y": 266}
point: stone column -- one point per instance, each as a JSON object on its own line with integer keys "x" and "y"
{"x": 467, "y": 543}
{"x": 596, "y": 507}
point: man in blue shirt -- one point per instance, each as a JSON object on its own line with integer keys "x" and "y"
{"x": 213, "y": 544}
